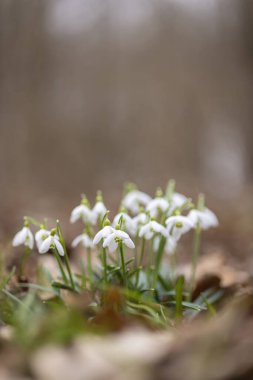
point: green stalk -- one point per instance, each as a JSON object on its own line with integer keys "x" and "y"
{"x": 159, "y": 259}
{"x": 59, "y": 232}
{"x": 123, "y": 263}
{"x": 196, "y": 247}
{"x": 195, "y": 256}
{"x": 83, "y": 274}
{"x": 56, "y": 255}
{"x": 105, "y": 265}
{"x": 89, "y": 265}
{"x": 142, "y": 251}
{"x": 69, "y": 270}
{"x": 24, "y": 261}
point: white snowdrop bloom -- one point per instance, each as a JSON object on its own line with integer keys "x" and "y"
{"x": 102, "y": 234}
{"x": 206, "y": 218}
{"x": 178, "y": 225}
{"x": 177, "y": 200}
{"x": 156, "y": 205}
{"x": 84, "y": 239}
{"x": 51, "y": 241}
{"x": 25, "y": 237}
{"x": 170, "y": 245}
{"x": 138, "y": 221}
{"x": 40, "y": 236}
{"x": 134, "y": 199}
{"x": 84, "y": 212}
{"x": 99, "y": 209}
{"x": 151, "y": 228}
{"x": 126, "y": 220}
{"x": 113, "y": 240}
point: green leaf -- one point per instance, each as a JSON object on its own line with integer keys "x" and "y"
{"x": 179, "y": 296}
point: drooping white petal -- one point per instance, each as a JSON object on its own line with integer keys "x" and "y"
{"x": 129, "y": 243}
{"x": 59, "y": 247}
{"x": 40, "y": 236}
{"x": 76, "y": 214}
{"x": 156, "y": 205}
{"x": 178, "y": 225}
{"x": 151, "y": 228}
{"x": 99, "y": 209}
{"x": 112, "y": 246}
{"x": 134, "y": 199}
{"x": 106, "y": 231}
{"x": 108, "y": 240}
{"x": 121, "y": 234}
{"x": 45, "y": 246}
{"x": 77, "y": 241}
{"x": 205, "y": 218}
{"x": 20, "y": 237}
{"x": 29, "y": 239}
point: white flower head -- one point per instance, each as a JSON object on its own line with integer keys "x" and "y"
{"x": 40, "y": 236}
{"x": 84, "y": 239}
{"x": 125, "y": 219}
{"x": 99, "y": 209}
{"x": 205, "y": 218}
{"x": 137, "y": 222}
{"x": 83, "y": 212}
{"x": 157, "y": 205}
{"x": 134, "y": 199}
{"x": 151, "y": 228}
{"x": 177, "y": 200}
{"x": 178, "y": 225}
{"x": 102, "y": 234}
{"x": 118, "y": 237}
{"x": 25, "y": 237}
{"x": 52, "y": 241}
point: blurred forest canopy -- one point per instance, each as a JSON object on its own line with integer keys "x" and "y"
{"x": 97, "y": 92}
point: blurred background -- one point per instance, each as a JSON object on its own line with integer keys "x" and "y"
{"x": 94, "y": 93}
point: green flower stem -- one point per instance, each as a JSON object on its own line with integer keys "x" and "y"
{"x": 69, "y": 270}
{"x": 136, "y": 240}
{"x": 123, "y": 263}
{"x": 89, "y": 265}
{"x": 58, "y": 259}
{"x": 24, "y": 261}
{"x": 142, "y": 251}
{"x": 105, "y": 265}
{"x": 159, "y": 259}
{"x": 173, "y": 264}
{"x": 138, "y": 276}
{"x": 83, "y": 274}
{"x": 59, "y": 232}
{"x": 195, "y": 256}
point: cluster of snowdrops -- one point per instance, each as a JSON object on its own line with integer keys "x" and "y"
{"x": 130, "y": 246}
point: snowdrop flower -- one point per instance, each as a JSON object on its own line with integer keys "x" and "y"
{"x": 99, "y": 209}
{"x": 40, "y": 236}
{"x": 126, "y": 220}
{"x": 102, "y": 234}
{"x": 51, "y": 241}
{"x": 84, "y": 239}
{"x": 83, "y": 211}
{"x": 134, "y": 199}
{"x": 118, "y": 237}
{"x": 25, "y": 237}
{"x": 178, "y": 225}
{"x": 177, "y": 200}
{"x": 205, "y": 218}
{"x": 137, "y": 222}
{"x": 151, "y": 228}
{"x": 156, "y": 205}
